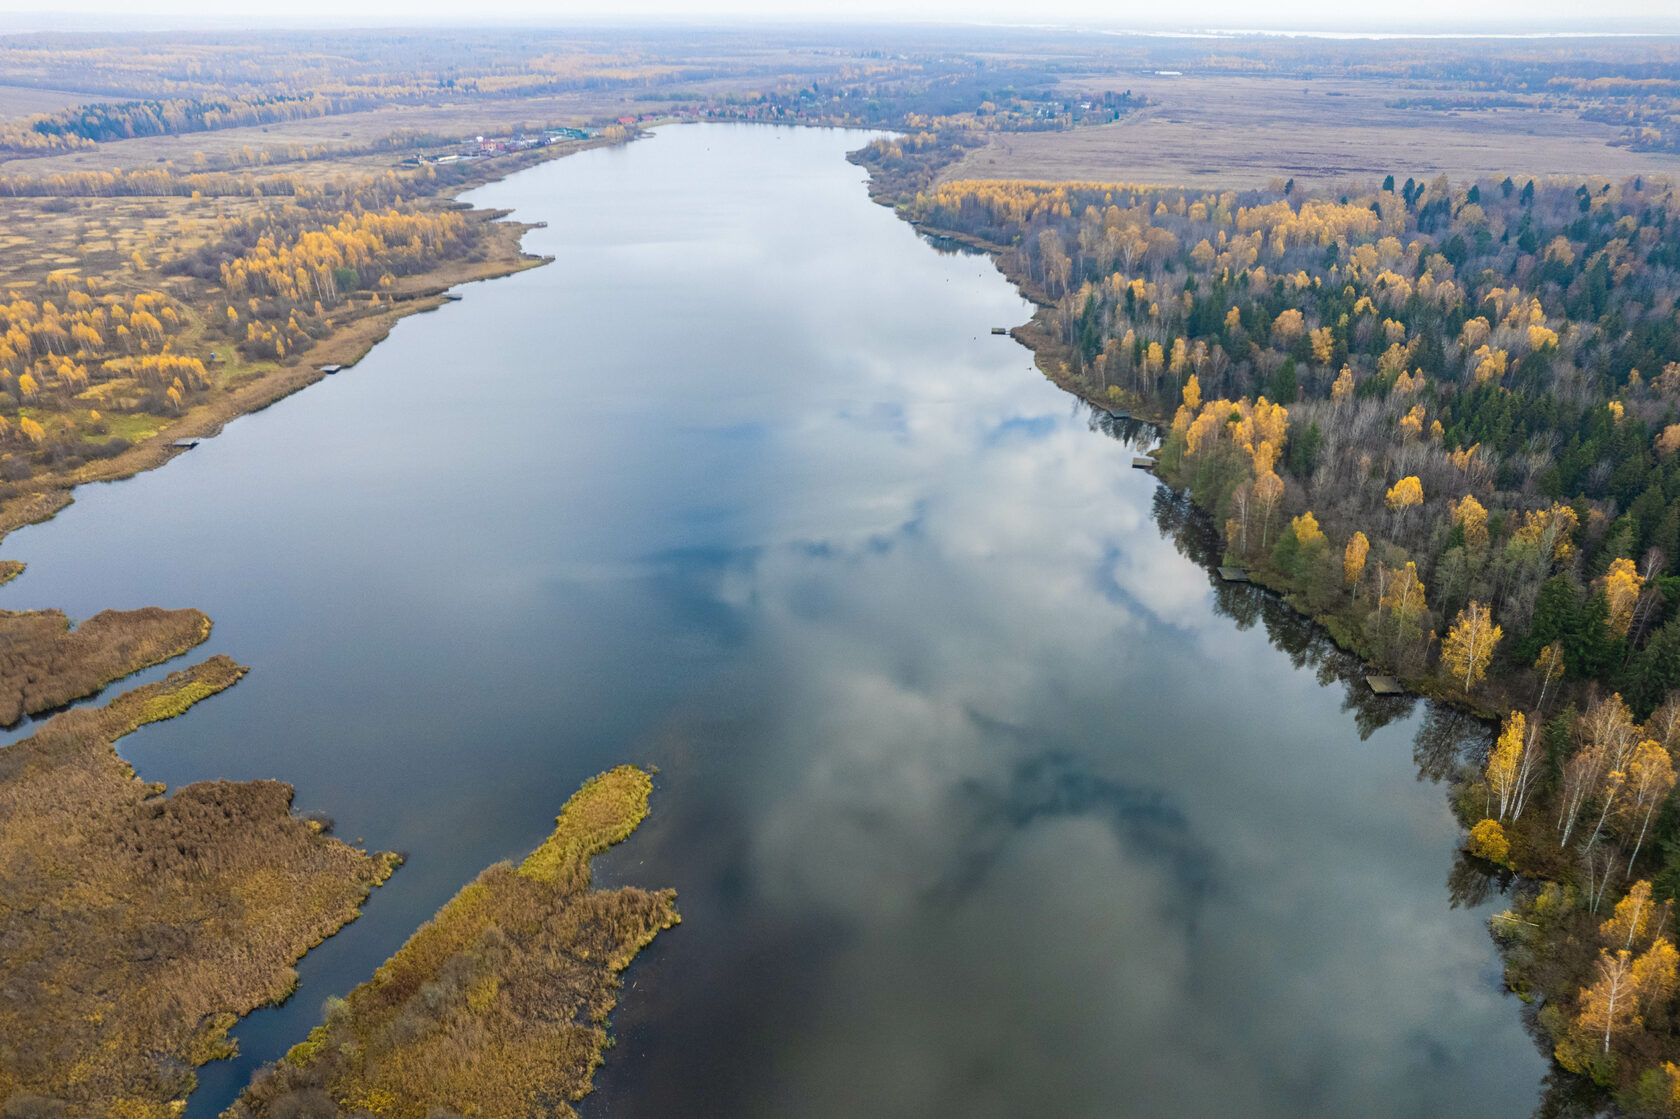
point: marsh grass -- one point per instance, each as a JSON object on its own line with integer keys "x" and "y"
{"x": 498, "y": 1005}
{"x": 45, "y": 664}
{"x": 135, "y": 927}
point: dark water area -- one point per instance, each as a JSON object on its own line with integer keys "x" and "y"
{"x": 981, "y": 797}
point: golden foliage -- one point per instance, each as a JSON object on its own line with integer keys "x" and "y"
{"x": 1551, "y": 530}
{"x": 1469, "y": 515}
{"x": 1306, "y": 529}
{"x": 1405, "y": 493}
{"x": 1487, "y": 841}
{"x": 1469, "y": 645}
{"x": 1621, "y": 586}
{"x": 1504, "y": 767}
{"x": 1353, "y": 559}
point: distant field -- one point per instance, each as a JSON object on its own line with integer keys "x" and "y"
{"x": 1238, "y": 132}
{"x": 23, "y": 101}
{"x": 462, "y": 118}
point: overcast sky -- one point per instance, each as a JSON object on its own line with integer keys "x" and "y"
{"x": 1659, "y": 16}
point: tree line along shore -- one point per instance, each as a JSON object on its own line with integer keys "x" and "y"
{"x": 1441, "y": 418}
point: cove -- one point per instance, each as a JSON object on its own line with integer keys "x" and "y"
{"x": 979, "y": 796}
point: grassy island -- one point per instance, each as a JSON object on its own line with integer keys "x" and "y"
{"x": 44, "y": 664}
{"x": 498, "y": 1006}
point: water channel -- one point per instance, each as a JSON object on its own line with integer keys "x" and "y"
{"x": 981, "y": 797}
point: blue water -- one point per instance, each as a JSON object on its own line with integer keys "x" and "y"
{"x": 981, "y": 798}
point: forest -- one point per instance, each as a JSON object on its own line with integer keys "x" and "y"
{"x": 1443, "y": 419}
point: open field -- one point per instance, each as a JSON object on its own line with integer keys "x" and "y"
{"x": 1239, "y": 132}
{"x": 23, "y": 101}
{"x": 346, "y": 130}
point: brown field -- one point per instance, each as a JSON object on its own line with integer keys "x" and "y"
{"x": 26, "y": 101}
{"x": 95, "y": 236}
{"x": 1239, "y": 132}
{"x": 467, "y": 118}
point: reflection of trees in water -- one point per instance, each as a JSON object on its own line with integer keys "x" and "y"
{"x": 1138, "y": 436}
{"x": 1448, "y": 743}
{"x": 1307, "y": 644}
{"x": 1562, "y": 1094}
{"x": 950, "y": 246}
{"x": 1472, "y": 881}
{"x": 1451, "y": 745}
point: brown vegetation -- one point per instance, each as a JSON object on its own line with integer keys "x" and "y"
{"x": 136, "y": 926}
{"x": 1228, "y": 131}
{"x": 44, "y": 664}
{"x": 498, "y": 1006}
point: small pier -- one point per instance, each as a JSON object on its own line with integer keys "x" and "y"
{"x": 1233, "y": 574}
{"x": 1384, "y": 685}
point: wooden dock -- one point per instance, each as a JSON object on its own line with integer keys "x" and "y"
{"x": 1233, "y": 574}
{"x": 1384, "y": 685}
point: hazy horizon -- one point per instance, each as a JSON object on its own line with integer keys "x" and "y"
{"x": 1541, "y": 18}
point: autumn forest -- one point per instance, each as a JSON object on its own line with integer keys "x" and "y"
{"x": 1395, "y": 325}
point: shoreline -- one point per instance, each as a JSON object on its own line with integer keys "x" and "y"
{"x": 1033, "y": 336}
{"x": 44, "y": 498}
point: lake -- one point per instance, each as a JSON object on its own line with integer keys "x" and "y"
{"x": 981, "y": 797}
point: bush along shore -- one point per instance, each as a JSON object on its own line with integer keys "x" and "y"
{"x": 1442, "y": 419}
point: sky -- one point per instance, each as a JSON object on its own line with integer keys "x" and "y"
{"x": 1437, "y": 16}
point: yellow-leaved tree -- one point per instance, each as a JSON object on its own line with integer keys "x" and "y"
{"x": 1403, "y": 496}
{"x": 1621, "y": 587}
{"x": 1650, "y": 778}
{"x": 1353, "y": 559}
{"x": 1471, "y": 517}
{"x": 1469, "y": 645}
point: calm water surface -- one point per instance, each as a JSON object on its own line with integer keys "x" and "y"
{"x": 978, "y": 800}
